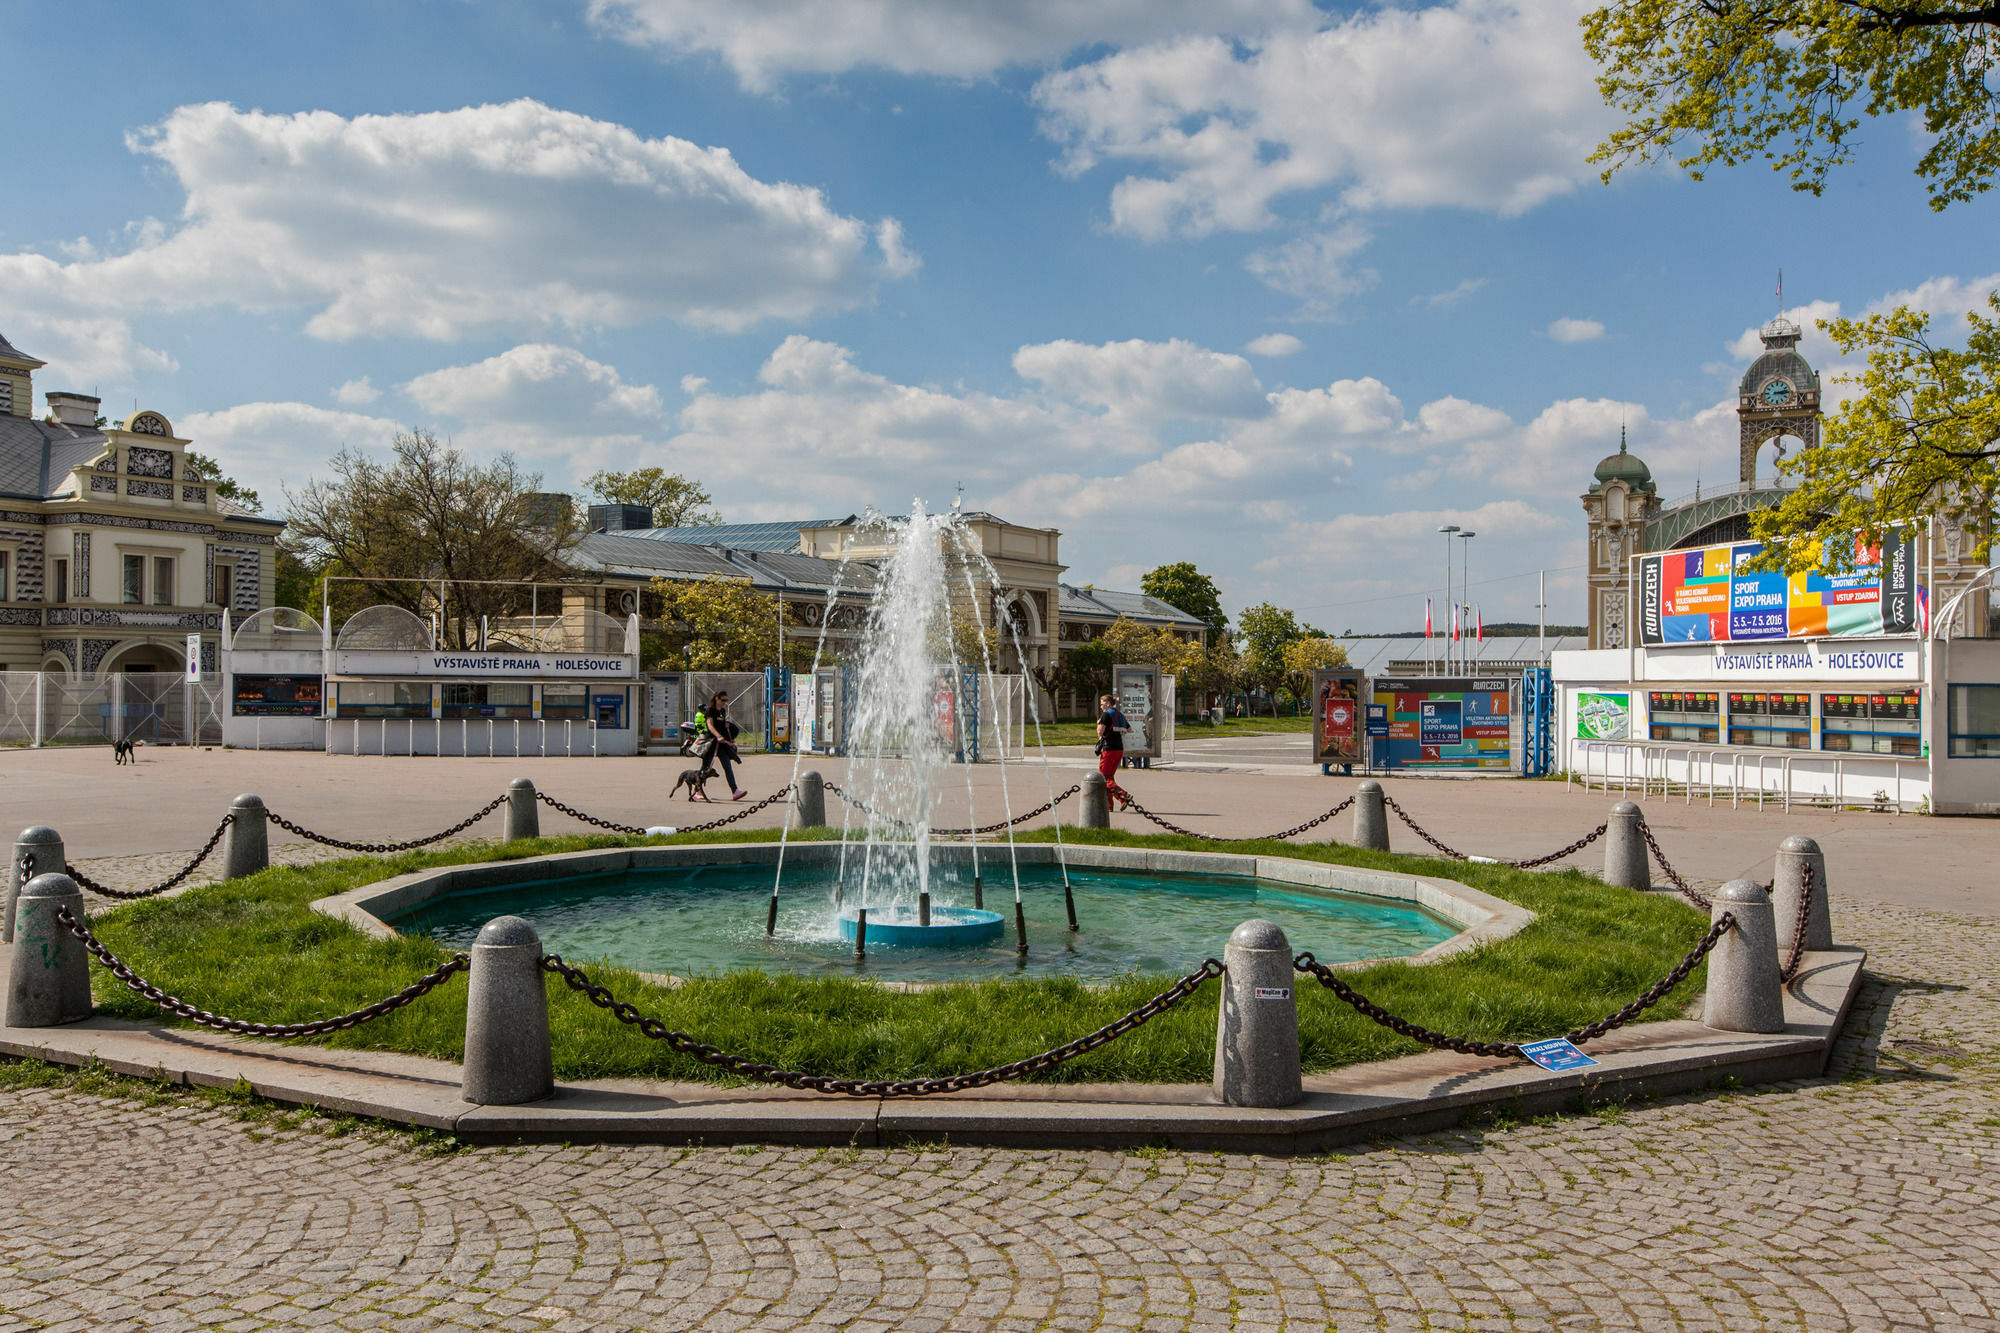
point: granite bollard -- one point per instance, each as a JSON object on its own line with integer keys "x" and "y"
{"x": 524, "y": 819}
{"x": 48, "y": 982}
{"x": 1094, "y": 809}
{"x": 1257, "y": 1024}
{"x": 1371, "y": 817}
{"x": 809, "y": 799}
{"x": 46, "y": 846}
{"x": 507, "y": 1055}
{"x": 1625, "y": 862}
{"x": 1745, "y": 993}
{"x": 246, "y": 847}
{"x": 1796, "y": 855}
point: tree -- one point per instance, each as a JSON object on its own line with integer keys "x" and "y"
{"x": 1923, "y": 437}
{"x": 1303, "y": 656}
{"x": 430, "y": 514}
{"x": 1186, "y": 588}
{"x": 297, "y": 582}
{"x": 1789, "y": 80}
{"x": 1265, "y": 630}
{"x": 676, "y": 502}
{"x": 715, "y": 624}
{"x": 228, "y": 488}
{"x": 1088, "y": 668}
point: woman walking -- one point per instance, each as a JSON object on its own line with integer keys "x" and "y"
{"x": 1111, "y": 729}
{"x": 719, "y": 741}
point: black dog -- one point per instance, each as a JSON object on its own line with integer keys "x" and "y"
{"x": 695, "y": 780}
{"x": 121, "y": 752}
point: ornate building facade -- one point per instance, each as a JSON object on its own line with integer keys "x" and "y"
{"x": 1778, "y": 402}
{"x": 112, "y": 549}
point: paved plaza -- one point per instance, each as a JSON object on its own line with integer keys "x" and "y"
{"x": 1869, "y": 1199}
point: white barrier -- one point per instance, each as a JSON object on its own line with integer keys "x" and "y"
{"x": 1809, "y": 777}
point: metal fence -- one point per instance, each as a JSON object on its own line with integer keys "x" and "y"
{"x": 159, "y": 708}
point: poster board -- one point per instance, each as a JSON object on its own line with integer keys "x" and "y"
{"x": 1603, "y": 715}
{"x": 1446, "y": 722}
{"x": 1704, "y": 595}
{"x": 1137, "y": 689}
{"x": 664, "y": 711}
{"x": 1339, "y": 734}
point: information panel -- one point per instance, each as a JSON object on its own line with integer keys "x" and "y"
{"x": 276, "y": 696}
{"x": 1338, "y": 733}
{"x": 1705, "y": 595}
{"x": 1447, "y": 723}
{"x": 1137, "y": 688}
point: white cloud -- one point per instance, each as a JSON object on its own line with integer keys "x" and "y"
{"x": 449, "y": 224}
{"x": 1273, "y": 344}
{"x": 538, "y": 385}
{"x": 268, "y": 446}
{"x": 762, "y": 40}
{"x": 1315, "y": 268}
{"x": 1440, "y": 300}
{"x": 357, "y": 393}
{"x": 1482, "y": 104}
{"x": 1568, "y": 330}
{"x": 83, "y": 350}
{"x": 1145, "y": 381}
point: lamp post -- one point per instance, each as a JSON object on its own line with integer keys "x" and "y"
{"x": 1465, "y": 586}
{"x": 1447, "y": 530}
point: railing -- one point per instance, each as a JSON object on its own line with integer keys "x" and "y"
{"x": 1740, "y": 773}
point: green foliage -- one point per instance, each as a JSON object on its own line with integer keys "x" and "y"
{"x": 1185, "y": 588}
{"x": 1303, "y": 656}
{"x": 228, "y": 488}
{"x": 1789, "y": 81}
{"x": 716, "y": 624}
{"x": 254, "y": 948}
{"x": 676, "y": 502}
{"x": 1265, "y": 631}
{"x": 1088, "y": 668}
{"x": 298, "y": 583}
{"x": 1922, "y": 437}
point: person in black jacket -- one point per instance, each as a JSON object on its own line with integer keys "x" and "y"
{"x": 718, "y": 742}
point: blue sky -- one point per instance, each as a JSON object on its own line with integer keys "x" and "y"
{"x": 1270, "y": 287}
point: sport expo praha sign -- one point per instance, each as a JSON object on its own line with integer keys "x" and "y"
{"x": 1705, "y": 595}
{"x": 559, "y": 666}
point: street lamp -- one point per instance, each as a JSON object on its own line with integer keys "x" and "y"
{"x": 1447, "y": 530}
{"x": 1465, "y": 586}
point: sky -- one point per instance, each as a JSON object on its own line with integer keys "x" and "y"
{"x": 1272, "y": 287}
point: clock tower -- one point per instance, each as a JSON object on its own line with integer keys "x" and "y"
{"x": 1779, "y": 396}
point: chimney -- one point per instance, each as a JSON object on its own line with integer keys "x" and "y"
{"x": 620, "y": 518}
{"x": 74, "y": 409}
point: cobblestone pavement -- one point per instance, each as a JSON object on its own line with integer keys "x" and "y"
{"x": 1869, "y": 1200}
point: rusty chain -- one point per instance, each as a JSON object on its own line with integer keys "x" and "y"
{"x": 1529, "y": 864}
{"x": 416, "y": 990}
{"x": 1421, "y": 831}
{"x": 578, "y": 981}
{"x": 104, "y": 890}
{"x": 576, "y": 814}
{"x": 1291, "y": 832}
{"x": 1571, "y": 850}
{"x": 968, "y": 831}
{"x": 1305, "y": 962}
{"x": 414, "y": 843}
{"x": 616, "y": 827}
{"x": 1681, "y": 886}
{"x": 1798, "y": 949}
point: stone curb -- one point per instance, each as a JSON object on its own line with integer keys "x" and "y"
{"x": 1412, "y": 1094}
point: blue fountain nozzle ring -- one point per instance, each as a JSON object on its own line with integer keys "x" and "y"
{"x": 894, "y": 927}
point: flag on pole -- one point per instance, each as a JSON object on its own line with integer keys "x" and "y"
{"x": 1924, "y": 611}
{"x": 1427, "y": 617}
{"x": 1454, "y": 622}
{"x": 1482, "y": 626}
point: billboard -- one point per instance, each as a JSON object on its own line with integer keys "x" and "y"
{"x": 1337, "y": 716}
{"x": 1704, "y": 595}
{"x": 1446, "y": 723}
{"x": 1603, "y": 716}
{"x": 1137, "y": 687}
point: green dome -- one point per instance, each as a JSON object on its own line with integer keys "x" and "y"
{"x": 1626, "y": 467}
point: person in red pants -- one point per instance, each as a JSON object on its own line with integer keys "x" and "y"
{"x": 1111, "y": 729}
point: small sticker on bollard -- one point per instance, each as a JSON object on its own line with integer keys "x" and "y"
{"x": 1557, "y": 1054}
{"x": 1274, "y": 992}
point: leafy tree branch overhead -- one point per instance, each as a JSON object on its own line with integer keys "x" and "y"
{"x": 1790, "y": 82}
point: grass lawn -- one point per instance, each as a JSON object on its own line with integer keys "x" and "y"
{"x": 254, "y": 949}
{"x": 1085, "y": 733}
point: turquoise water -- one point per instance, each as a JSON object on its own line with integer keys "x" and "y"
{"x": 708, "y": 920}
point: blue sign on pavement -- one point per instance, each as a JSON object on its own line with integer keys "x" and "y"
{"x": 1378, "y": 720}
{"x": 1557, "y": 1053}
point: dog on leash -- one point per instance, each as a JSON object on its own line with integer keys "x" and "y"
{"x": 695, "y": 780}
{"x": 122, "y": 751}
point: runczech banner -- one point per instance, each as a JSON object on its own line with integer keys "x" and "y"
{"x": 1704, "y": 595}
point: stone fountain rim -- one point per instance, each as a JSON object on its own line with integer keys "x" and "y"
{"x": 1482, "y": 917}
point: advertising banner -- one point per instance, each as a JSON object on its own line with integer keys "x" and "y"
{"x": 1137, "y": 688}
{"x": 276, "y": 696}
{"x": 1337, "y": 716}
{"x": 1446, "y": 723}
{"x": 1603, "y": 717}
{"x": 1705, "y": 595}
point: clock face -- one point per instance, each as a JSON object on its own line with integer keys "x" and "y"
{"x": 1777, "y": 392}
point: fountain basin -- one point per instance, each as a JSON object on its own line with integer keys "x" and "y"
{"x": 950, "y": 927}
